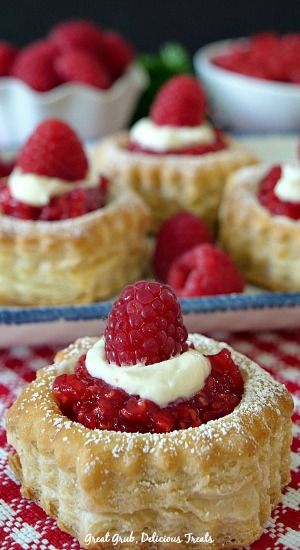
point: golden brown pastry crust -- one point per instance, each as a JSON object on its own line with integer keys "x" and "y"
{"x": 265, "y": 247}
{"x": 222, "y": 478}
{"x": 172, "y": 182}
{"x": 76, "y": 260}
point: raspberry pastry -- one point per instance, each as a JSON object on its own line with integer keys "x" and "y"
{"x": 260, "y": 225}
{"x": 66, "y": 235}
{"x": 175, "y": 159}
{"x": 148, "y": 430}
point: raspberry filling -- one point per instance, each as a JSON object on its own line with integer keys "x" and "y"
{"x": 96, "y": 404}
{"x": 77, "y": 202}
{"x": 200, "y": 149}
{"x": 269, "y": 200}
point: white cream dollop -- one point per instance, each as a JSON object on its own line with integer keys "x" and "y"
{"x": 288, "y": 186}
{"x": 165, "y": 138}
{"x": 37, "y": 190}
{"x": 177, "y": 378}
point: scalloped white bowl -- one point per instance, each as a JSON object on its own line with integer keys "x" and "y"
{"x": 91, "y": 112}
{"x": 246, "y": 103}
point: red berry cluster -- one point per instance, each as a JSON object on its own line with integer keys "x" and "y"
{"x": 95, "y": 404}
{"x": 177, "y": 235}
{"x": 265, "y": 55}
{"x": 185, "y": 258}
{"x": 269, "y": 199}
{"x": 74, "y": 51}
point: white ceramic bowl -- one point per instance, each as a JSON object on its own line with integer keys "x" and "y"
{"x": 245, "y": 103}
{"x": 91, "y": 112}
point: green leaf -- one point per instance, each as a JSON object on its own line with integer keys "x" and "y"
{"x": 175, "y": 57}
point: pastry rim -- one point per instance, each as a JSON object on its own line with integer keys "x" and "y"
{"x": 118, "y": 140}
{"x": 57, "y": 422}
{"x": 252, "y": 175}
{"x": 247, "y": 227}
{"x": 135, "y": 455}
{"x": 77, "y": 260}
{"x": 120, "y": 197}
{"x": 169, "y": 183}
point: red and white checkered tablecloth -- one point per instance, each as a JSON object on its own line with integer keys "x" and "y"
{"x": 23, "y": 525}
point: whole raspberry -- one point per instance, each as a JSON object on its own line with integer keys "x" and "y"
{"x": 145, "y": 325}
{"x": 54, "y": 150}
{"x": 84, "y": 67}
{"x": 180, "y": 102}
{"x": 78, "y": 34}
{"x": 117, "y": 53}
{"x": 203, "y": 271}
{"x": 177, "y": 234}
{"x": 8, "y": 53}
{"x": 35, "y": 66}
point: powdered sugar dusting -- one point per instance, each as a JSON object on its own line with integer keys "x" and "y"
{"x": 261, "y": 390}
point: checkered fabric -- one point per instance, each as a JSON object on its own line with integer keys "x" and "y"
{"x": 23, "y": 525}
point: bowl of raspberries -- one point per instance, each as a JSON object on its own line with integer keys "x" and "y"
{"x": 79, "y": 72}
{"x": 253, "y": 83}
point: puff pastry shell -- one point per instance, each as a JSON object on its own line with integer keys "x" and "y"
{"x": 172, "y": 182}
{"x": 222, "y": 478}
{"x": 265, "y": 247}
{"x": 75, "y": 260}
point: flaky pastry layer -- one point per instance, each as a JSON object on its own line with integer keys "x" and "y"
{"x": 76, "y": 260}
{"x": 222, "y": 478}
{"x": 170, "y": 183}
{"x": 265, "y": 247}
